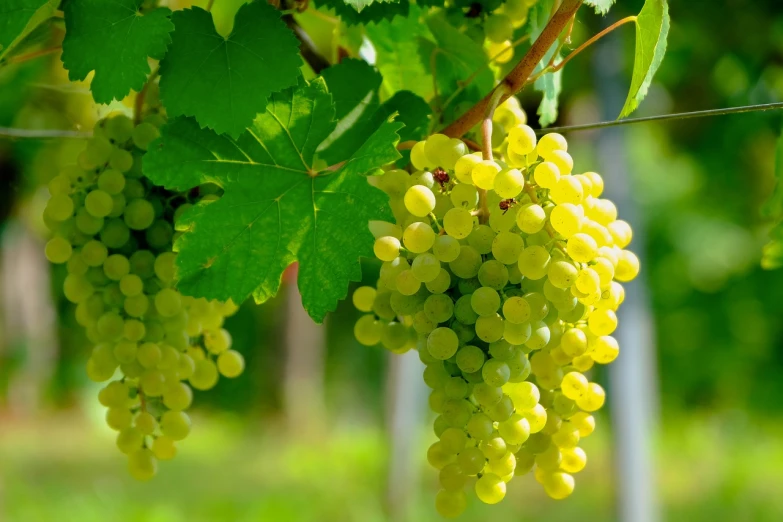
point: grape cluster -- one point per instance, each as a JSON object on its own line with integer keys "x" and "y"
{"x": 499, "y": 28}
{"x": 112, "y": 229}
{"x": 509, "y": 274}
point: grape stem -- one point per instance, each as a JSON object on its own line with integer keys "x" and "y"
{"x": 209, "y": 5}
{"x": 138, "y": 106}
{"x": 591, "y": 41}
{"x": 35, "y": 54}
{"x": 486, "y": 146}
{"x": 516, "y": 79}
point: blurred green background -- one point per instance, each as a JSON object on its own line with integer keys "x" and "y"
{"x": 304, "y": 434}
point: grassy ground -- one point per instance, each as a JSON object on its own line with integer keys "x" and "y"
{"x": 64, "y": 468}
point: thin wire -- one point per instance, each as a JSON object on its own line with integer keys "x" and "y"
{"x": 664, "y": 117}
{"x": 41, "y": 133}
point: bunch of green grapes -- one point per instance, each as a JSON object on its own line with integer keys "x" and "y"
{"x": 499, "y": 28}
{"x": 112, "y": 229}
{"x": 509, "y": 272}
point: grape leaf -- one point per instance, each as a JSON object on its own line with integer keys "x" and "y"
{"x": 550, "y": 84}
{"x": 19, "y": 17}
{"x": 225, "y": 82}
{"x": 354, "y": 86}
{"x": 276, "y": 208}
{"x": 361, "y": 4}
{"x": 396, "y": 46}
{"x": 372, "y": 14}
{"x": 457, "y": 57}
{"x": 601, "y": 6}
{"x": 652, "y": 28}
{"x": 113, "y": 39}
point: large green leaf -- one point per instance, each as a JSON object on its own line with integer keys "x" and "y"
{"x": 276, "y": 208}
{"x": 373, "y": 13}
{"x": 652, "y": 28}
{"x": 225, "y": 81}
{"x": 601, "y": 6}
{"x": 354, "y": 86}
{"x": 113, "y": 39}
{"x": 396, "y": 46}
{"x": 361, "y": 4}
{"x": 19, "y": 17}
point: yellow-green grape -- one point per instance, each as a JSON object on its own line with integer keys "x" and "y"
{"x": 58, "y": 250}
{"x": 515, "y": 430}
{"x": 149, "y": 355}
{"x": 509, "y": 183}
{"x": 205, "y": 375}
{"x": 387, "y": 248}
{"x": 584, "y": 422}
{"x": 363, "y": 298}
{"x": 581, "y": 247}
{"x": 463, "y": 169}
{"x": 549, "y": 143}
{"x": 627, "y": 266}
{"x": 490, "y": 488}
{"x": 59, "y": 207}
{"x": 419, "y": 200}
{"x": 566, "y": 218}
{"x": 574, "y": 385}
{"x": 450, "y": 504}
{"x": 498, "y": 28}
{"x": 534, "y": 262}
{"x": 139, "y": 214}
{"x": 503, "y": 466}
{"x": 471, "y": 460}
{"x": 563, "y": 161}
{"x": 142, "y": 464}
{"x": 558, "y": 485}
{"x": 546, "y": 174}
{"x": 484, "y": 173}
{"x": 602, "y": 321}
{"x": 177, "y": 396}
{"x": 501, "y": 52}
{"x": 164, "y": 448}
{"x": 145, "y": 422}
{"x": 418, "y": 237}
{"x": 574, "y": 460}
{"x": 98, "y": 203}
{"x": 175, "y": 424}
{"x": 490, "y": 329}
{"x": 439, "y": 457}
{"x": 129, "y": 440}
{"x": 230, "y": 364}
{"x": 458, "y": 223}
{"x": 621, "y": 233}
{"x": 144, "y": 134}
{"x": 522, "y": 140}
{"x": 531, "y": 218}
{"x": 419, "y": 158}
{"x": 593, "y": 398}
{"x": 367, "y": 330}
{"x": 524, "y": 394}
{"x": 536, "y": 418}
{"x": 605, "y": 349}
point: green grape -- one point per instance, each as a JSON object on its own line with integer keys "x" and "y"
{"x": 456, "y": 388}
{"x": 484, "y": 173}
{"x": 114, "y": 395}
{"x": 394, "y": 182}
{"x": 419, "y": 200}
{"x": 231, "y": 364}
{"x": 471, "y": 461}
{"x": 177, "y": 396}
{"x": 498, "y": 28}
{"x": 130, "y": 440}
{"x": 142, "y": 464}
{"x": 59, "y": 207}
{"x": 131, "y": 285}
{"x": 480, "y": 426}
{"x": 145, "y": 423}
{"x": 446, "y": 249}
{"x": 509, "y": 183}
{"x": 450, "y": 503}
{"x": 507, "y": 246}
{"x": 493, "y": 274}
{"x": 118, "y": 418}
{"x": 149, "y": 355}
{"x": 451, "y": 477}
{"x": 98, "y": 203}
{"x": 116, "y": 267}
{"x": 394, "y": 335}
{"x": 463, "y": 168}
{"x": 531, "y": 218}
{"x": 495, "y": 372}
{"x": 490, "y": 488}
{"x": 115, "y": 233}
{"x": 522, "y": 138}
{"x": 481, "y": 239}
{"x": 485, "y": 301}
{"x": 88, "y": 224}
{"x": 168, "y": 302}
{"x": 139, "y": 214}
{"x": 165, "y": 267}
{"x": 363, "y": 298}
{"x": 458, "y": 223}
{"x": 111, "y": 182}
{"x": 439, "y": 308}
{"x": 435, "y": 375}
{"x": 418, "y": 237}
{"x": 144, "y": 134}
{"x": 387, "y": 248}
{"x": 440, "y": 283}
{"x": 60, "y": 185}
{"x": 442, "y": 343}
{"x": 489, "y": 329}
{"x": 470, "y": 359}
{"x": 58, "y": 250}
{"x": 515, "y": 430}
{"x": 159, "y": 235}
{"x": 152, "y": 382}
{"x": 463, "y": 311}
{"x": 76, "y": 266}
{"x": 464, "y": 196}
{"x": 137, "y": 305}
{"x": 534, "y": 262}
{"x": 467, "y": 263}
{"x": 407, "y": 283}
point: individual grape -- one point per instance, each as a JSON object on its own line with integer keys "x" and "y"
{"x": 489, "y": 329}
{"x": 407, "y": 283}
{"x": 521, "y": 139}
{"x": 144, "y": 134}
{"x": 451, "y": 477}
{"x": 450, "y": 504}
{"x": 58, "y": 250}
{"x": 205, "y": 375}
{"x": 531, "y": 218}
{"x": 115, "y": 234}
{"x": 509, "y": 183}
{"x": 470, "y": 359}
{"x": 111, "y": 182}
{"x": 139, "y": 214}
{"x": 419, "y": 200}
{"x": 463, "y": 169}
{"x": 458, "y": 223}
{"x": 592, "y": 399}
{"x": 363, "y": 298}
{"x": 440, "y": 284}
{"x": 116, "y": 266}
{"x": 164, "y": 448}
{"x": 605, "y": 349}
{"x": 496, "y": 373}
{"x": 480, "y": 426}
{"x": 471, "y": 460}
{"x": 59, "y": 207}
{"x": 501, "y": 52}
{"x": 484, "y": 173}
{"x": 439, "y": 308}
{"x": 98, "y": 203}
{"x": 490, "y": 488}
{"x": 549, "y": 143}
{"x": 602, "y": 322}
{"x": 501, "y": 410}
{"x": 627, "y": 267}
{"x": 464, "y": 196}
{"x": 442, "y": 343}
{"x": 485, "y": 301}
{"x": 230, "y": 364}
{"x": 493, "y": 274}
{"x": 142, "y": 464}
{"x": 418, "y": 237}
{"x": 507, "y": 246}
{"x": 534, "y": 262}
{"x": 546, "y": 174}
